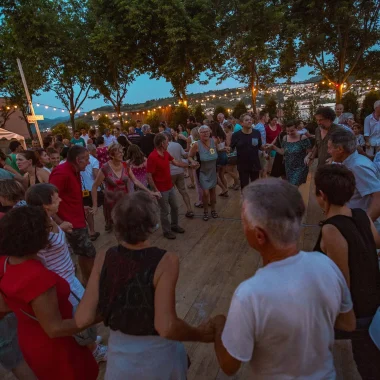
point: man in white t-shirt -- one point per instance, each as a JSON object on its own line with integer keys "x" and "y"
{"x": 84, "y": 135}
{"x": 88, "y": 177}
{"x": 282, "y": 319}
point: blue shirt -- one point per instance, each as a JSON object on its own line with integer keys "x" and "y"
{"x": 367, "y": 177}
{"x": 261, "y": 128}
{"x": 237, "y": 127}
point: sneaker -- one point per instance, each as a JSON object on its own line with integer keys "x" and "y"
{"x": 169, "y": 235}
{"x": 178, "y": 229}
{"x": 100, "y": 353}
{"x": 99, "y": 339}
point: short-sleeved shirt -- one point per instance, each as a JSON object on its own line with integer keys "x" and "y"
{"x": 147, "y": 144}
{"x": 109, "y": 140}
{"x": 159, "y": 167}
{"x": 261, "y": 128}
{"x": 367, "y": 178}
{"x": 134, "y": 138}
{"x": 321, "y": 144}
{"x": 282, "y": 319}
{"x": 372, "y": 129}
{"x": 177, "y": 152}
{"x": 247, "y": 148}
{"x": 87, "y": 176}
{"x": 11, "y": 161}
{"x": 68, "y": 182}
{"x": 237, "y": 127}
{"x": 79, "y": 141}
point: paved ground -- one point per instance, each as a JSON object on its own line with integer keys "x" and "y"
{"x": 215, "y": 259}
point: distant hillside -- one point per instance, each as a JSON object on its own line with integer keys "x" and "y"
{"x": 49, "y": 123}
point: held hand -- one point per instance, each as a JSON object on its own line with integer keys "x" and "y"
{"x": 156, "y": 194}
{"x": 228, "y": 149}
{"x": 219, "y": 321}
{"x": 94, "y": 210}
{"x": 207, "y": 332}
{"x": 66, "y": 227}
{"x": 329, "y": 161}
{"x": 194, "y": 165}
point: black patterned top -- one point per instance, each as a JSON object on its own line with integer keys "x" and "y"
{"x": 126, "y": 291}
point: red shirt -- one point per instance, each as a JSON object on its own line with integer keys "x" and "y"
{"x": 68, "y": 182}
{"x": 159, "y": 167}
{"x": 271, "y": 135}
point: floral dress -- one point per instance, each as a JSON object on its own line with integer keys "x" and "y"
{"x": 102, "y": 155}
{"x": 294, "y": 155}
{"x": 140, "y": 172}
{"x": 115, "y": 188}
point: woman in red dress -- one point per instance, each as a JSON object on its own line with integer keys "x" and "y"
{"x": 39, "y": 298}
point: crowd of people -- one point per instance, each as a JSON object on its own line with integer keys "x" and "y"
{"x": 283, "y": 320}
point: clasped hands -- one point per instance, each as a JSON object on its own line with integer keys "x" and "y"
{"x": 212, "y": 328}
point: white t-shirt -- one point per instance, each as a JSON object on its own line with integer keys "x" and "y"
{"x": 177, "y": 152}
{"x": 109, "y": 140}
{"x": 85, "y": 137}
{"x": 87, "y": 176}
{"x": 282, "y": 319}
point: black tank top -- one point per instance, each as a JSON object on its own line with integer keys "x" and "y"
{"x": 126, "y": 291}
{"x": 362, "y": 260}
{"x": 36, "y": 178}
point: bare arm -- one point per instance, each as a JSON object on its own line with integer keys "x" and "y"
{"x": 376, "y": 235}
{"x": 140, "y": 185}
{"x": 94, "y": 191}
{"x": 47, "y": 312}
{"x": 346, "y": 321}
{"x": 166, "y": 321}
{"x": 374, "y": 208}
{"x": 43, "y": 175}
{"x": 151, "y": 181}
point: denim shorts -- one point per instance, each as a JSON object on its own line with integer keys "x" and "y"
{"x": 10, "y": 353}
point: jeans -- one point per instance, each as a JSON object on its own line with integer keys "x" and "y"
{"x": 168, "y": 198}
{"x": 245, "y": 176}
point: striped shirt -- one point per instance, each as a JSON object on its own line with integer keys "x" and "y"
{"x": 56, "y": 256}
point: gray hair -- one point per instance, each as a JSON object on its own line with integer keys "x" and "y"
{"x": 203, "y": 127}
{"x": 377, "y": 104}
{"x": 345, "y": 139}
{"x": 345, "y": 116}
{"x": 145, "y": 128}
{"x": 91, "y": 147}
{"x": 277, "y": 207}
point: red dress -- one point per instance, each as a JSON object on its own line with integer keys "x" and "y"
{"x": 49, "y": 358}
{"x": 271, "y": 135}
{"x": 102, "y": 155}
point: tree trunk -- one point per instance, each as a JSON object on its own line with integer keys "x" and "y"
{"x": 339, "y": 93}
{"x": 253, "y": 98}
{"x": 118, "y": 111}
{"x": 72, "y": 120}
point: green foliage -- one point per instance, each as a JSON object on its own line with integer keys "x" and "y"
{"x": 154, "y": 119}
{"x": 335, "y": 37}
{"x": 103, "y": 123}
{"x": 350, "y": 103}
{"x": 239, "y": 109}
{"x": 291, "y": 110}
{"x": 270, "y": 105}
{"x": 61, "y": 129}
{"x": 179, "y": 116}
{"x": 220, "y": 109}
{"x": 368, "y": 102}
{"x": 79, "y": 124}
{"x": 198, "y": 113}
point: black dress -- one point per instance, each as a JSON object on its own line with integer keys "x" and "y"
{"x": 126, "y": 290}
{"x": 364, "y": 286}
{"x": 278, "y": 168}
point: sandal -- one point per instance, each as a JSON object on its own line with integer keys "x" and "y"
{"x": 205, "y": 216}
{"x": 189, "y": 214}
{"x": 225, "y": 194}
{"x": 94, "y": 236}
{"x": 214, "y": 214}
{"x": 198, "y": 205}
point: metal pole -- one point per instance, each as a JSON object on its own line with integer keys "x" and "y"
{"x": 29, "y": 100}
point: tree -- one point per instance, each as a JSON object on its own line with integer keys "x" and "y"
{"x": 350, "y": 103}
{"x": 239, "y": 109}
{"x": 179, "y": 116}
{"x": 61, "y": 129}
{"x": 220, "y": 109}
{"x": 6, "y": 111}
{"x": 251, "y": 47}
{"x": 103, "y": 123}
{"x": 291, "y": 110}
{"x": 154, "y": 119}
{"x": 270, "y": 105}
{"x": 368, "y": 102}
{"x": 80, "y": 124}
{"x": 199, "y": 114}
{"x": 334, "y": 37}
{"x": 314, "y": 105}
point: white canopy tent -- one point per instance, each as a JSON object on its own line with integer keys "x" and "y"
{"x": 8, "y": 135}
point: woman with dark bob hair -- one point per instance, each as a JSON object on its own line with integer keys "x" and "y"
{"x": 350, "y": 239}
{"x": 132, "y": 286}
{"x": 40, "y": 300}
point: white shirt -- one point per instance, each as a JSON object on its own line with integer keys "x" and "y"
{"x": 177, "y": 152}
{"x": 282, "y": 319}
{"x": 372, "y": 129}
{"x": 87, "y": 176}
{"x": 109, "y": 140}
{"x": 85, "y": 138}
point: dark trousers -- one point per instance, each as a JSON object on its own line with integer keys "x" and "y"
{"x": 245, "y": 176}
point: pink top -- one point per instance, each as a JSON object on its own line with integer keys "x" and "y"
{"x": 102, "y": 155}
{"x": 139, "y": 172}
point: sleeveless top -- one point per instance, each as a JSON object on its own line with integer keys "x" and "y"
{"x": 37, "y": 181}
{"x": 362, "y": 260}
{"x": 126, "y": 291}
{"x": 207, "y": 154}
{"x": 115, "y": 187}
